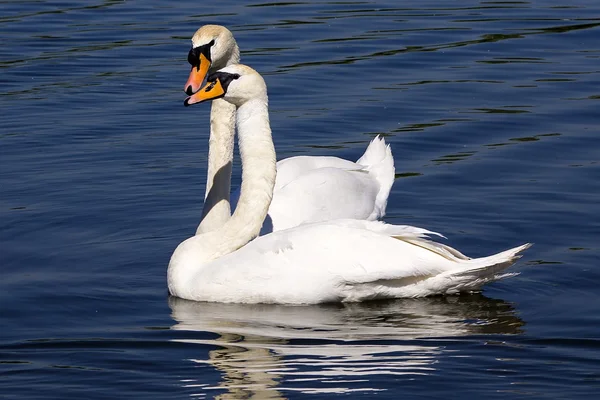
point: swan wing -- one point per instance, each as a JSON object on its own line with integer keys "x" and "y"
{"x": 343, "y": 261}
{"x": 313, "y": 189}
{"x": 324, "y": 194}
{"x": 292, "y": 168}
{"x": 341, "y": 189}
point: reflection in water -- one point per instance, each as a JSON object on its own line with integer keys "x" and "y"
{"x": 335, "y": 347}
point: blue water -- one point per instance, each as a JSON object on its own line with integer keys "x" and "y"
{"x": 491, "y": 109}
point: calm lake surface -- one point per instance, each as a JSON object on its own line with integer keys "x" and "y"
{"x": 492, "y": 112}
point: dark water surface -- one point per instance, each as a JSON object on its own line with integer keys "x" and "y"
{"x": 492, "y": 111}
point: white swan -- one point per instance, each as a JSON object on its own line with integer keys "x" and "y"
{"x": 342, "y": 260}
{"x": 307, "y": 189}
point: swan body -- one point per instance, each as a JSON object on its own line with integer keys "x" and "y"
{"x": 308, "y": 189}
{"x": 313, "y": 189}
{"x": 340, "y": 260}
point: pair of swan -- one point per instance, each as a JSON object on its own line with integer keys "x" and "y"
{"x": 316, "y": 262}
{"x": 307, "y": 189}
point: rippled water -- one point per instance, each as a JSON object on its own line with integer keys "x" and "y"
{"x": 491, "y": 108}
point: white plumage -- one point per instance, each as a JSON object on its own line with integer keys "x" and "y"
{"x": 313, "y": 189}
{"x": 339, "y": 260}
{"x": 308, "y": 189}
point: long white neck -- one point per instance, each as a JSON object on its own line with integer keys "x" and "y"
{"x": 257, "y": 153}
{"x": 217, "y": 209}
{"x": 258, "y": 180}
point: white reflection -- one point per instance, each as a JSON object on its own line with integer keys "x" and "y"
{"x": 265, "y": 350}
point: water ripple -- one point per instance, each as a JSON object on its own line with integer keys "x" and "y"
{"x": 335, "y": 348}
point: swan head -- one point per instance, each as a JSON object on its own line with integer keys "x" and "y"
{"x": 213, "y": 47}
{"x": 236, "y": 84}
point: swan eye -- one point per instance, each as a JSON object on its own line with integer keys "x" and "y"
{"x": 193, "y": 57}
{"x": 210, "y": 86}
{"x": 196, "y": 52}
{"x": 224, "y": 77}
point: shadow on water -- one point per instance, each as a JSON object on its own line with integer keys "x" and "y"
{"x": 263, "y": 350}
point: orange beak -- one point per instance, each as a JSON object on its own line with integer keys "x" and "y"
{"x": 210, "y": 91}
{"x": 197, "y": 75}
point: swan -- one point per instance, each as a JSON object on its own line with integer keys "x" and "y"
{"x": 329, "y": 261}
{"x": 307, "y": 189}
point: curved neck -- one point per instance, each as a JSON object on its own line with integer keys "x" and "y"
{"x": 234, "y": 55}
{"x": 217, "y": 209}
{"x": 257, "y": 153}
{"x": 258, "y": 180}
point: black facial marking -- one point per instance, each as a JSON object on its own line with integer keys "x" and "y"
{"x": 194, "y": 54}
{"x": 210, "y": 86}
{"x": 225, "y": 78}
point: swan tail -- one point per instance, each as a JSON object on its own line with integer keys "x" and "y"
{"x": 480, "y": 271}
{"x": 379, "y": 162}
{"x": 470, "y": 276}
